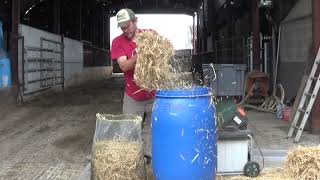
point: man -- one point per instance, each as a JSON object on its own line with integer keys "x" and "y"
{"x": 123, "y": 50}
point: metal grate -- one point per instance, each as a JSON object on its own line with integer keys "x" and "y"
{"x": 42, "y": 67}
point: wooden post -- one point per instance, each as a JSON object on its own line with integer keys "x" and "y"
{"x": 315, "y": 116}
{"x": 14, "y": 40}
{"x": 256, "y": 34}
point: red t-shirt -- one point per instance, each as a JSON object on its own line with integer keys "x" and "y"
{"x": 122, "y": 46}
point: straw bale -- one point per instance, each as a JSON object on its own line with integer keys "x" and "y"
{"x": 114, "y": 160}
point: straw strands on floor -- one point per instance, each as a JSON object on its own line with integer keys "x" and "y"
{"x": 268, "y": 174}
{"x": 303, "y": 163}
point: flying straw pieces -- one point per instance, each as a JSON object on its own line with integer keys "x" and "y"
{"x": 114, "y": 160}
{"x": 303, "y": 163}
{"x": 154, "y": 68}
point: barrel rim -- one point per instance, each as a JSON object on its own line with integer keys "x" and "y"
{"x": 184, "y": 93}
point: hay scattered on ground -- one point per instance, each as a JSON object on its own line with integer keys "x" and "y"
{"x": 303, "y": 163}
{"x": 268, "y": 174}
{"x": 114, "y": 160}
{"x": 154, "y": 68}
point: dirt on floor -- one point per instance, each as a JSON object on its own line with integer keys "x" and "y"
{"x": 51, "y": 136}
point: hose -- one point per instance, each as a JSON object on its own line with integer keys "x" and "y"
{"x": 270, "y": 104}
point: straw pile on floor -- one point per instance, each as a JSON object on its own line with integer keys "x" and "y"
{"x": 303, "y": 163}
{"x": 154, "y": 68}
{"x": 114, "y": 160}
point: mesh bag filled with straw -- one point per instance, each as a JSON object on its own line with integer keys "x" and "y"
{"x": 117, "y": 148}
{"x": 154, "y": 68}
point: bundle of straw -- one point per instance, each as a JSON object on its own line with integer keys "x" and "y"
{"x": 153, "y": 69}
{"x": 114, "y": 160}
{"x": 303, "y": 163}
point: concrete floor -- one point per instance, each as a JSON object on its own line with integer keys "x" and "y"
{"x": 50, "y": 137}
{"x": 270, "y": 136}
{"x": 272, "y": 133}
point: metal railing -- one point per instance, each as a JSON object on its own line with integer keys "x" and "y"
{"x": 94, "y": 56}
{"x": 265, "y": 53}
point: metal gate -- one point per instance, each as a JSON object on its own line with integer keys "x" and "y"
{"x": 42, "y": 67}
{"x": 265, "y": 54}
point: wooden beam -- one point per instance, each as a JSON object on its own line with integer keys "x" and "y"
{"x": 14, "y": 40}
{"x": 256, "y": 34}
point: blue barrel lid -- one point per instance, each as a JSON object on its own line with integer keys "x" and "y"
{"x": 184, "y": 93}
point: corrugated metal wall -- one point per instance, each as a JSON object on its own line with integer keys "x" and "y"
{"x": 295, "y": 44}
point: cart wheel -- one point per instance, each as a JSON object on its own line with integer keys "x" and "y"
{"x": 252, "y": 169}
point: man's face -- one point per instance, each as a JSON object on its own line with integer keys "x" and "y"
{"x": 130, "y": 30}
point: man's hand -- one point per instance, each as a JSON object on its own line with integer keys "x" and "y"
{"x": 127, "y": 64}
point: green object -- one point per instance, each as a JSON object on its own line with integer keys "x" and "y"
{"x": 252, "y": 169}
{"x": 226, "y": 110}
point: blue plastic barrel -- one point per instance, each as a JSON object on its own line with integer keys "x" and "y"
{"x": 1, "y": 36}
{"x": 184, "y": 135}
{"x": 5, "y": 73}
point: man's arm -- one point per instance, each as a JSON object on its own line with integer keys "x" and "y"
{"x": 127, "y": 64}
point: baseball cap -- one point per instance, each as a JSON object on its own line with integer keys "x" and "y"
{"x": 124, "y": 16}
